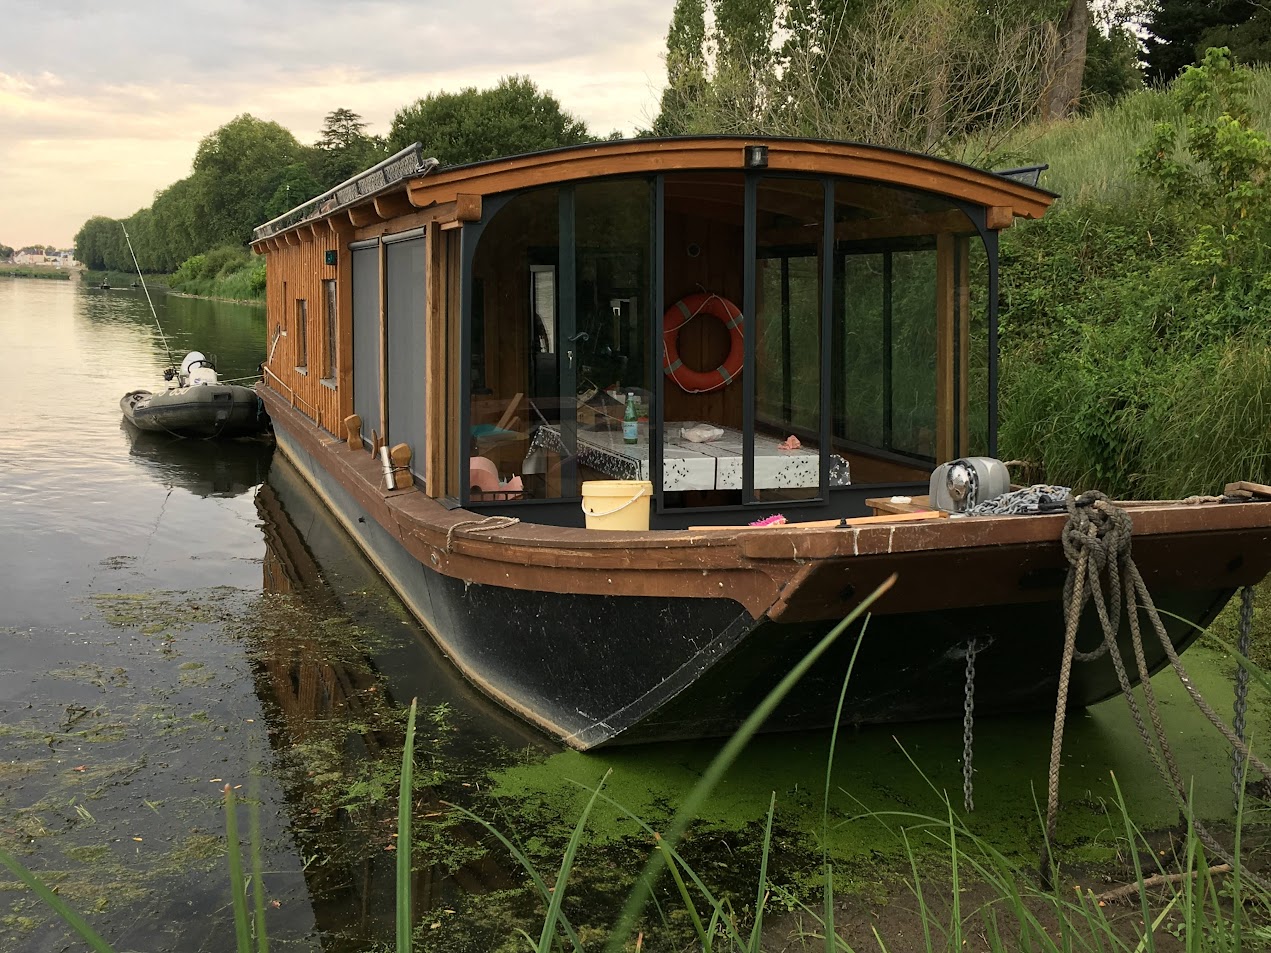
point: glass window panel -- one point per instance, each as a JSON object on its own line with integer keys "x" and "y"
{"x": 913, "y": 347}
{"x": 302, "y": 334}
{"x": 862, "y": 356}
{"x": 558, "y": 362}
{"x": 904, "y": 283}
{"x": 613, "y": 297}
{"x": 331, "y": 369}
{"x": 515, "y": 361}
{"x": 613, "y": 293}
{"x": 704, "y": 267}
{"x": 787, "y": 327}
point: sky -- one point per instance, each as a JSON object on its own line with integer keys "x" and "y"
{"x": 104, "y": 104}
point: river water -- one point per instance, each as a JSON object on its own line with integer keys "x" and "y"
{"x": 178, "y": 616}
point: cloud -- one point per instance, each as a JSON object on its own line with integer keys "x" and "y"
{"x": 117, "y": 96}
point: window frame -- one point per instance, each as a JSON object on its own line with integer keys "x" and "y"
{"x": 302, "y": 336}
{"x": 331, "y": 325}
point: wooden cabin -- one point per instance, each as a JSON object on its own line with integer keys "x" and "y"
{"x": 824, "y": 313}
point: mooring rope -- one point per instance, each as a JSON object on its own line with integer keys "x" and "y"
{"x": 482, "y": 525}
{"x": 1096, "y": 540}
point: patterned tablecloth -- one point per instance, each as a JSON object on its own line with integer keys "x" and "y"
{"x": 716, "y": 465}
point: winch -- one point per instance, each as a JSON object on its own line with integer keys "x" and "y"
{"x": 961, "y": 484}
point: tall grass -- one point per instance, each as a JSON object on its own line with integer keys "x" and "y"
{"x": 1212, "y": 420}
{"x": 1091, "y": 156}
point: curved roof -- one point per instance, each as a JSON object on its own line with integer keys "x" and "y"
{"x": 420, "y": 184}
{"x": 634, "y": 156}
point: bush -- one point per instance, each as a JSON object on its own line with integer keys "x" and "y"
{"x": 1135, "y": 357}
{"x": 226, "y": 272}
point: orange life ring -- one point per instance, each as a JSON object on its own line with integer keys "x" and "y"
{"x": 678, "y": 315}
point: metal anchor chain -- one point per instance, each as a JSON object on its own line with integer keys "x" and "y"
{"x": 1242, "y": 693}
{"x": 968, "y": 728}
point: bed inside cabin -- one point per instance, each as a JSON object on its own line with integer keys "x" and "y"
{"x": 858, "y": 360}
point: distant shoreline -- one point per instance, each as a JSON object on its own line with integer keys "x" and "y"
{"x": 44, "y": 273}
{"x": 158, "y": 283}
{"x": 255, "y": 302}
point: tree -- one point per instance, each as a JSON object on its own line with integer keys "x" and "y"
{"x": 473, "y": 125}
{"x": 921, "y": 74}
{"x": 343, "y": 149}
{"x": 94, "y": 241}
{"x": 341, "y": 129}
{"x": 1112, "y": 64}
{"x": 1065, "y": 61}
{"x": 295, "y": 186}
{"x": 685, "y": 68}
{"x": 1249, "y": 40}
{"x": 1181, "y": 30}
{"x": 913, "y": 74}
{"x": 177, "y": 224}
{"x": 245, "y": 173}
{"x": 237, "y": 171}
{"x": 5, "y": 252}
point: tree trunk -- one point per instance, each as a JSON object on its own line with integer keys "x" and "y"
{"x": 1066, "y": 62}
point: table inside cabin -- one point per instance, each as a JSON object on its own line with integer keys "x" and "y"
{"x": 713, "y": 465}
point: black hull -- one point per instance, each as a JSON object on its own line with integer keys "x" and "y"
{"x": 598, "y": 669}
{"x": 205, "y": 411}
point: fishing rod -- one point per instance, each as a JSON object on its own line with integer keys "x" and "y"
{"x": 154, "y": 314}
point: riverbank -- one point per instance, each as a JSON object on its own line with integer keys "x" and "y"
{"x": 229, "y": 273}
{"x": 249, "y": 302}
{"x": 35, "y": 271}
{"x": 166, "y": 285}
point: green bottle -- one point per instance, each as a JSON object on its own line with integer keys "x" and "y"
{"x": 630, "y": 428}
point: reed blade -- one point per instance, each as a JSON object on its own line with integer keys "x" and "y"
{"x": 692, "y": 804}
{"x": 55, "y": 903}
{"x": 405, "y": 799}
{"x": 237, "y": 883}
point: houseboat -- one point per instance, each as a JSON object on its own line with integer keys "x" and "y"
{"x": 728, "y": 331}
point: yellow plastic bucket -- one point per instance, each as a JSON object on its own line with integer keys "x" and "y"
{"x": 617, "y": 504}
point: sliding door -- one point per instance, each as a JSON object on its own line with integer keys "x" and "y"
{"x": 366, "y": 336}
{"x": 404, "y": 312}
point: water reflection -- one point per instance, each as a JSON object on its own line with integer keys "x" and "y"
{"x": 338, "y": 661}
{"x": 223, "y": 468}
{"x": 231, "y": 335}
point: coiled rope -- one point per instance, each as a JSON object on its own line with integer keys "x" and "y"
{"x": 1096, "y": 541}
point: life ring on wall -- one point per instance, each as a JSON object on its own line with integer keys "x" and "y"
{"x": 680, "y": 314}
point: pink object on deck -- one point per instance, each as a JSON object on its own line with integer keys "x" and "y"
{"x": 775, "y": 520}
{"x": 790, "y": 443}
{"x": 484, "y": 483}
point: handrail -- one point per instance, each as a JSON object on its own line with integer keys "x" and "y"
{"x": 290, "y": 390}
{"x": 383, "y": 175}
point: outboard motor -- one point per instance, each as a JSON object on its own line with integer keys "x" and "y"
{"x": 197, "y": 369}
{"x": 960, "y": 485}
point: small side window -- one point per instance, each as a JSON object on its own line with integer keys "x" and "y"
{"x": 302, "y": 335}
{"x": 330, "y": 367}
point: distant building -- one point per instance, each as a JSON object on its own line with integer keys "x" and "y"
{"x": 64, "y": 258}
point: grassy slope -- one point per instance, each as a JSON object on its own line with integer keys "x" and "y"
{"x": 1121, "y": 369}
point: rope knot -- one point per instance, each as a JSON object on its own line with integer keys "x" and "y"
{"x": 1099, "y": 527}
